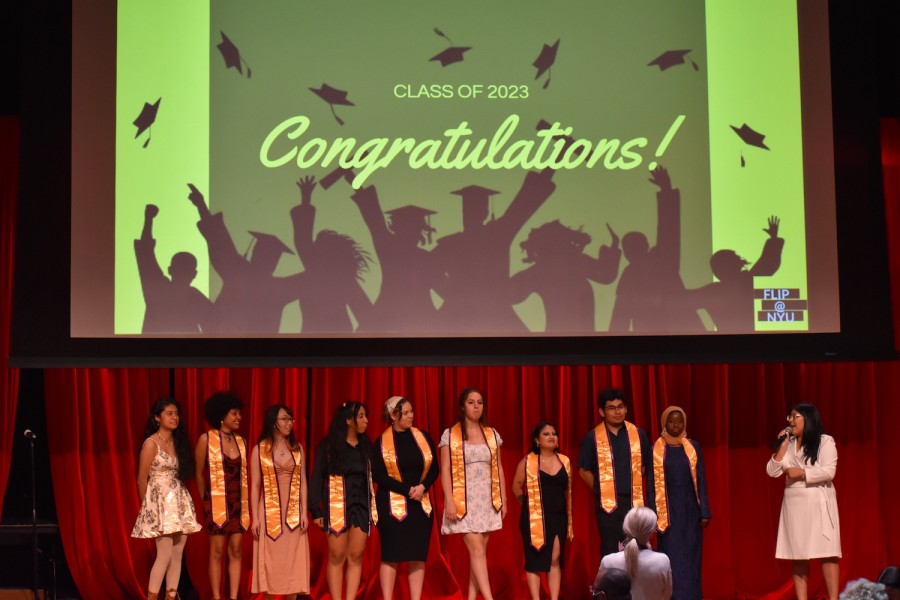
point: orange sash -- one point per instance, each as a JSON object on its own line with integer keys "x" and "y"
{"x": 535, "y": 501}
{"x": 217, "y": 492}
{"x": 389, "y": 454}
{"x": 458, "y": 468}
{"x": 606, "y": 473}
{"x": 659, "y": 475}
{"x": 337, "y": 506}
{"x": 271, "y": 495}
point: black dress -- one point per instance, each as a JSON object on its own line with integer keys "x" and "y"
{"x": 356, "y": 487}
{"x": 405, "y": 540}
{"x": 683, "y": 540}
{"x": 556, "y": 522}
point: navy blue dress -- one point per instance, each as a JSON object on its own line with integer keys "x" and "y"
{"x": 683, "y": 540}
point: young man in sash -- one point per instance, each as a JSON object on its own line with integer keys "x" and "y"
{"x": 616, "y": 462}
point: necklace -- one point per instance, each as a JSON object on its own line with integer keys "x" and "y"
{"x": 282, "y": 449}
{"x": 167, "y": 442}
{"x": 229, "y": 435}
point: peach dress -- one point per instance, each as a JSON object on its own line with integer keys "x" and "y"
{"x": 281, "y": 566}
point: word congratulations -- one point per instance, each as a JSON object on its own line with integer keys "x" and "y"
{"x": 550, "y": 148}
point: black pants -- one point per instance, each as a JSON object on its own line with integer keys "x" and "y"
{"x": 610, "y": 525}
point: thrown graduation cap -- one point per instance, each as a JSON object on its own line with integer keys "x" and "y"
{"x": 671, "y": 58}
{"x": 232, "y": 55}
{"x": 418, "y": 216}
{"x": 453, "y": 54}
{"x": 146, "y": 119}
{"x": 266, "y": 242}
{"x": 332, "y": 96}
{"x": 340, "y": 173}
{"x": 751, "y": 137}
{"x": 545, "y": 60}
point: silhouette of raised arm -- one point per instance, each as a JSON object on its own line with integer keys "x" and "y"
{"x": 303, "y": 217}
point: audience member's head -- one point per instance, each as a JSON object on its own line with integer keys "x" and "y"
{"x": 639, "y": 525}
{"x": 863, "y": 589}
{"x": 611, "y": 584}
{"x": 890, "y": 578}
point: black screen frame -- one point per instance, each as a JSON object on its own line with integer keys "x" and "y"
{"x": 40, "y": 328}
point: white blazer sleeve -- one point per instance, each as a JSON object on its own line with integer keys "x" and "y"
{"x": 774, "y": 468}
{"x": 826, "y": 465}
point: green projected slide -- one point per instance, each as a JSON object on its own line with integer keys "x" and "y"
{"x": 409, "y": 169}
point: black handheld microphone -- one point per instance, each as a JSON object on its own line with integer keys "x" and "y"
{"x": 781, "y": 438}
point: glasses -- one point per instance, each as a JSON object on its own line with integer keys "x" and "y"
{"x": 594, "y": 595}
{"x": 794, "y": 416}
{"x": 286, "y": 419}
{"x": 614, "y": 407}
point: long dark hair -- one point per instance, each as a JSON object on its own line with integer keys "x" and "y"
{"x": 180, "y": 439}
{"x": 461, "y": 404}
{"x": 270, "y": 421}
{"x": 812, "y": 431}
{"x": 537, "y": 432}
{"x": 336, "y": 441}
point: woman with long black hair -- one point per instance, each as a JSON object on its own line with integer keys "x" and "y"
{"x": 543, "y": 484}
{"x": 278, "y": 494}
{"x": 809, "y": 526}
{"x": 167, "y": 513}
{"x": 340, "y": 496}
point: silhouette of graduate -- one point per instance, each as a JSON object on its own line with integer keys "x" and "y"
{"x": 252, "y": 298}
{"x": 651, "y": 296}
{"x": 408, "y": 271}
{"x": 729, "y": 301}
{"x": 171, "y": 304}
{"x": 475, "y": 261}
{"x": 333, "y": 266}
{"x": 561, "y": 274}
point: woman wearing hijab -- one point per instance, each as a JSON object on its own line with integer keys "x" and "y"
{"x": 682, "y": 507}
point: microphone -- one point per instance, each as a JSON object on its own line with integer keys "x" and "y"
{"x": 781, "y": 438}
{"x": 29, "y": 434}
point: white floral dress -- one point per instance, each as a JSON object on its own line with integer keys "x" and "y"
{"x": 480, "y": 514}
{"x": 167, "y": 507}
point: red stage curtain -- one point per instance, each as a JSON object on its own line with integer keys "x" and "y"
{"x": 9, "y": 378}
{"x": 95, "y": 419}
{"x": 733, "y": 410}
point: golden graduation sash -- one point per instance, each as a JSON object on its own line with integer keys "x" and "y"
{"x": 271, "y": 495}
{"x": 337, "y": 505}
{"x": 458, "y": 468}
{"x": 535, "y": 501}
{"x": 217, "y": 491}
{"x": 606, "y": 473}
{"x": 336, "y": 517}
{"x": 659, "y": 481}
{"x": 389, "y": 454}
